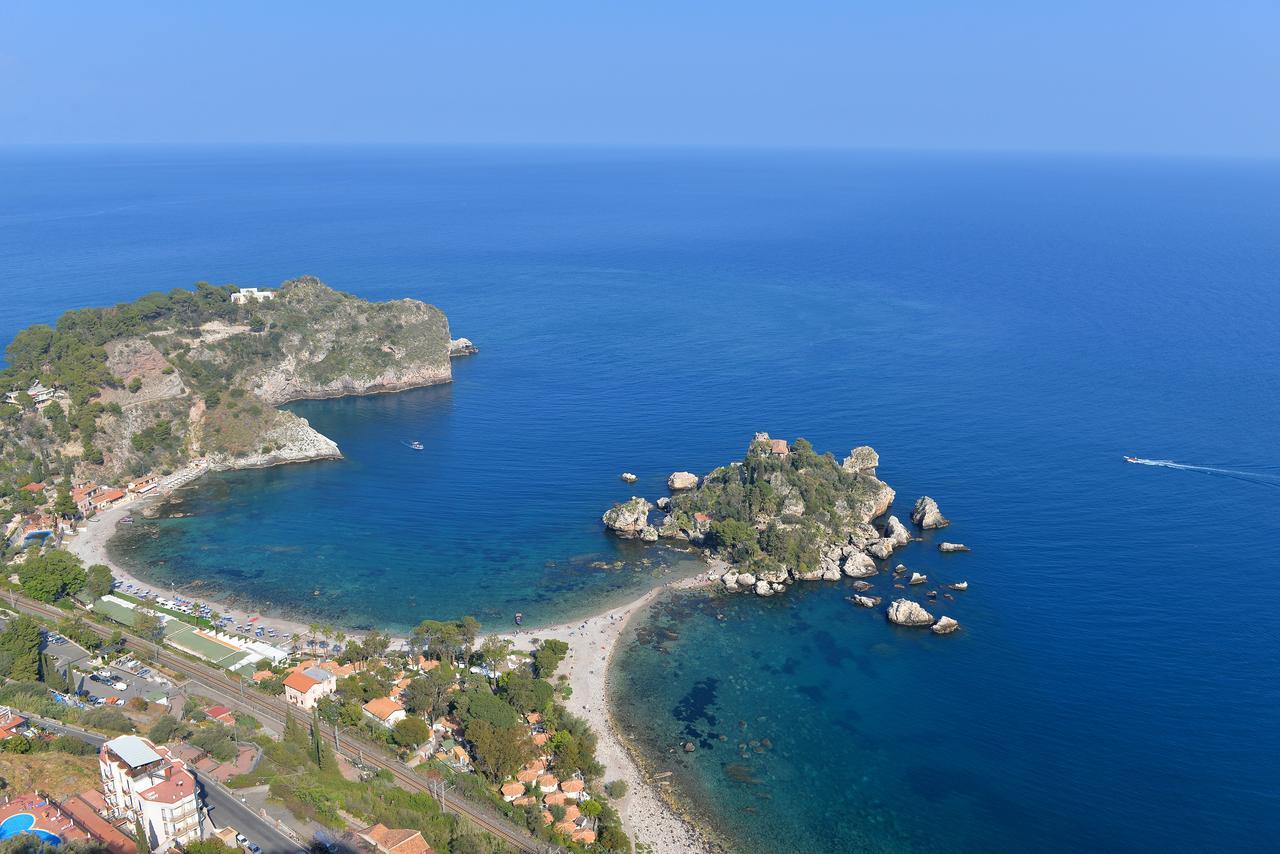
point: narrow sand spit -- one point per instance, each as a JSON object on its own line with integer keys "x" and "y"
{"x": 645, "y": 815}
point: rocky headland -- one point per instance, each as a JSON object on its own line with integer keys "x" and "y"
{"x": 786, "y": 514}
{"x": 152, "y": 385}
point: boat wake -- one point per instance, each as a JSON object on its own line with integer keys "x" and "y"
{"x": 1260, "y": 478}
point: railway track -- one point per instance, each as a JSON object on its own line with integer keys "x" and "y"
{"x": 272, "y": 709}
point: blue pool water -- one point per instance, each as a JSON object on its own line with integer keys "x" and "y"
{"x": 1001, "y": 329}
{"x": 23, "y": 823}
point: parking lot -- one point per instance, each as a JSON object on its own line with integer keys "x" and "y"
{"x": 78, "y": 663}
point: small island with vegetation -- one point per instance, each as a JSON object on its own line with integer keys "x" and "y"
{"x": 785, "y": 513}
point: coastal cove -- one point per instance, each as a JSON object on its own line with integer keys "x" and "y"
{"x": 1001, "y": 329}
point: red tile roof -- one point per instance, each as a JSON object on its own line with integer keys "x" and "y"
{"x": 33, "y": 487}
{"x": 300, "y": 682}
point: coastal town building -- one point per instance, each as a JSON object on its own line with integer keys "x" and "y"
{"x": 73, "y": 819}
{"x": 385, "y": 711}
{"x": 11, "y": 723}
{"x": 248, "y": 295}
{"x": 106, "y": 498}
{"x": 386, "y": 840}
{"x": 145, "y": 783}
{"x": 39, "y": 393}
{"x": 143, "y": 485}
{"x": 304, "y": 687}
{"x": 84, "y": 494}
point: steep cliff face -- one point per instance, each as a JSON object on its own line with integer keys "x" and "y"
{"x": 333, "y": 344}
{"x": 210, "y": 389}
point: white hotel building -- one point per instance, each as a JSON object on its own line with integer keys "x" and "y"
{"x": 143, "y": 782}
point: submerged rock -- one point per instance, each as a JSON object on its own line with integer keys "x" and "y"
{"x": 860, "y": 586}
{"x": 904, "y": 612}
{"x": 952, "y": 547}
{"x": 945, "y": 626}
{"x": 927, "y": 515}
{"x": 628, "y": 519}
{"x": 682, "y": 480}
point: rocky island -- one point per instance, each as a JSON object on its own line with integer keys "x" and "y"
{"x": 786, "y": 513}
{"x": 152, "y": 385}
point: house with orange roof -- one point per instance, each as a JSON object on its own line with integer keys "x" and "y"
{"x": 221, "y": 714}
{"x": 425, "y": 664}
{"x": 304, "y": 687}
{"x": 585, "y": 836}
{"x": 540, "y": 739}
{"x": 533, "y": 718}
{"x": 548, "y": 783}
{"x": 573, "y": 788}
{"x": 523, "y": 802}
{"x": 83, "y": 496}
{"x": 554, "y": 798}
{"x": 106, "y": 498}
{"x": 511, "y": 791}
{"x": 778, "y": 447}
{"x": 529, "y": 775}
{"x": 392, "y": 841}
{"x": 33, "y": 488}
{"x": 11, "y": 723}
{"x": 385, "y": 711}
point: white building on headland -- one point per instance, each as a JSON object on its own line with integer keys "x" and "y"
{"x": 143, "y": 782}
{"x": 40, "y": 394}
{"x": 246, "y": 295}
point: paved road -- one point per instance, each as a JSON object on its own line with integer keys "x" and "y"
{"x": 216, "y": 683}
{"x": 222, "y": 807}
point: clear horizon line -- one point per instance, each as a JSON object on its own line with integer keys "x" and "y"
{"x": 655, "y": 146}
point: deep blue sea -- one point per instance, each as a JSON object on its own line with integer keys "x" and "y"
{"x": 1001, "y": 328}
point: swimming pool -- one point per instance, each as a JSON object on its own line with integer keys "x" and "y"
{"x": 23, "y": 823}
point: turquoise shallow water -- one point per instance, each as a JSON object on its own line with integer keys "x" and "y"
{"x": 1001, "y": 329}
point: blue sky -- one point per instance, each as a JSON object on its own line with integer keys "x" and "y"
{"x": 1159, "y": 77}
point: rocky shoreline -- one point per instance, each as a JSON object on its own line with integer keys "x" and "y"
{"x": 854, "y": 538}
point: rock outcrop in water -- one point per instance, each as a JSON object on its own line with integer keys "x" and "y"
{"x": 927, "y": 515}
{"x": 952, "y": 547}
{"x": 904, "y": 612}
{"x": 630, "y": 518}
{"x": 682, "y": 480}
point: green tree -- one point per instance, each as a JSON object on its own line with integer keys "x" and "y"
{"x": 107, "y": 719}
{"x": 20, "y": 642}
{"x": 428, "y": 694}
{"x": 52, "y": 575}
{"x": 98, "y": 581}
{"x": 143, "y": 846}
{"x": 164, "y": 729}
{"x": 411, "y": 731}
{"x": 64, "y": 505}
{"x": 548, "y": 657}
{"x": 148, "y": 626}
{"x": 500, "y": 752}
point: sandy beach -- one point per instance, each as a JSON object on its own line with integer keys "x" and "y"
{"x": 592, "y": 641}
{"x": 90, "y": 545}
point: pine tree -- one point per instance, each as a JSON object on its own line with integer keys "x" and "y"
{"x": 292, "y": 732}
{"x": 321, "y": 752}
{"x": 140, "y": 838}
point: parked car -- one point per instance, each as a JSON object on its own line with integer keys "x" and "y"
{"x": 93, "y": 677}
{"x": 120, "y": 686}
